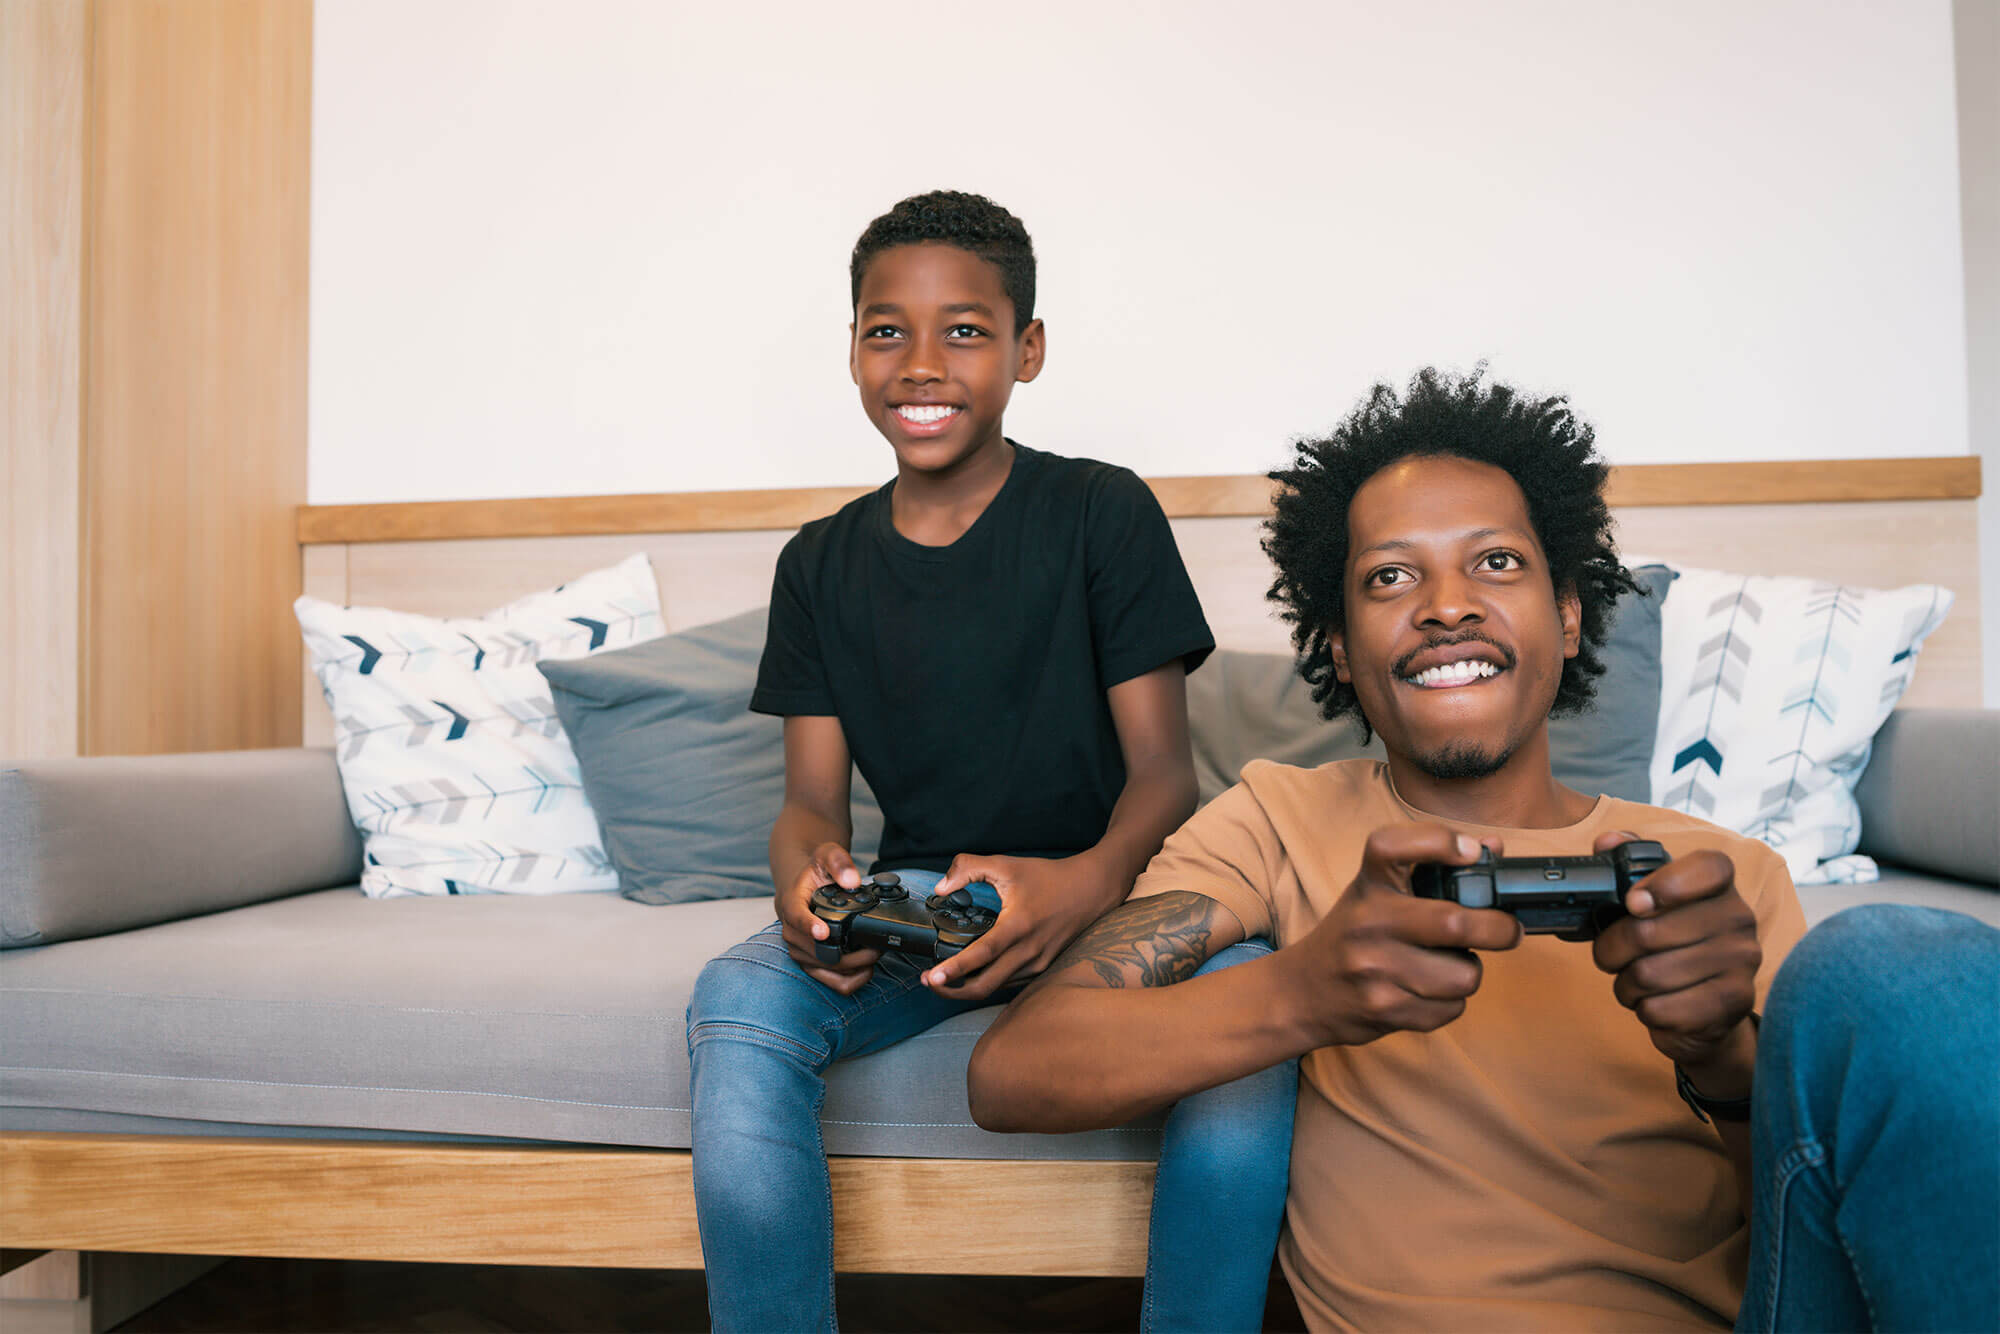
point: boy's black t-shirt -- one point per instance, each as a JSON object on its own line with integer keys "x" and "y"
{"x": 970, "y": 679}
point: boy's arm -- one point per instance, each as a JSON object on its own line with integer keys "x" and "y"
{"x": 1048, "y": 901}
{"x": 809, "y": 844}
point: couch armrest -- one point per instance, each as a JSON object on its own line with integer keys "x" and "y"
{"x": 89, "y": 846}
{"x": 1930, "y": 797}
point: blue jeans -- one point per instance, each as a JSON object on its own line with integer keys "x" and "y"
{"x": 1876, "y": 1129}
{"x": 761, "y": 1035}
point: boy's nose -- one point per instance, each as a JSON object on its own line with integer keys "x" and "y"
{"x": 923, "y": 361}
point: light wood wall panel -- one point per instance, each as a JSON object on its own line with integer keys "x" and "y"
{"x": 44, "y": 73}
{"x": 194, "y": 402}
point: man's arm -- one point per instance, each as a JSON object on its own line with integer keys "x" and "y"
{"x": 1103, "y": 1036}
{"x": 1046, "y": 902}
{"x": 1685, "y": 962}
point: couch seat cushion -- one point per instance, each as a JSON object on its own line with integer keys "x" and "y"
{"x": 549, "y": 1018}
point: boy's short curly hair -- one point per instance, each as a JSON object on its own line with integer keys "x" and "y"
{"x": 1540, "y": 443}
{"x": 972, "y": 223}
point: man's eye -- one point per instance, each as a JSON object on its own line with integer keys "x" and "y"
{"x": 1385, "y": 576}
{"x": 1500, "y": 560}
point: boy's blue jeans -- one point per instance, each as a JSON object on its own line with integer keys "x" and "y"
{"x": 760, "y": 1036}
{"x": 1876, "y": 1128}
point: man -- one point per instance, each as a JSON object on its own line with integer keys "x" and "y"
{"x": 1492, "y": 1131}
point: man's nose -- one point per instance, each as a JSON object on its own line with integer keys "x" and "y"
{"x": 1450, "y": 600}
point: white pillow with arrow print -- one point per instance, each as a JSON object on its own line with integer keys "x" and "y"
{"x": 456, "y": 768}
{"x": 1771, "y": 690}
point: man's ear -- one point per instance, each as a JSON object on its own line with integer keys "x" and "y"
{"x": 1570, "y": 608}
{"x": 1034, "y": 347}
{"x": 1336, "y": 644}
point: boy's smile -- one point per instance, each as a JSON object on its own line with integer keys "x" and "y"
{"x": 936, "y": 358}
{"x": 1455, "y": 637}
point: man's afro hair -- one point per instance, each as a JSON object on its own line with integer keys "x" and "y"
{"x": 970, "y": 222}
{"x": 1540, "y": 443}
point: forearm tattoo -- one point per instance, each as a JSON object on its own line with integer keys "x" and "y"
{"x": 1148, "y": 942}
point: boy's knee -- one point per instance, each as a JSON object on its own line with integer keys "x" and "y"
{"x": 742, "y": 993}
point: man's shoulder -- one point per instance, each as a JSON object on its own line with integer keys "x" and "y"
{"x": 1362, "y": 774}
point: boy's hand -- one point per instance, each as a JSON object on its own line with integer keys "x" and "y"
{"x": 1382, "y": 961}
{"x": 1045, "y": 903}
{"x": 1686, "y": 961}
{"x": 831, "y": 864}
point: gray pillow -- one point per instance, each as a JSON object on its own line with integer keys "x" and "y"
{"x": 1245, "y": 706}
{"x": 685, "y": 780}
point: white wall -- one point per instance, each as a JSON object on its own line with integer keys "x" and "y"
{"x": 572, "y": 248}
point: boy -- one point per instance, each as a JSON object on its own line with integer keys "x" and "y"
{"x": 1482, "y": 1142}
{"x": 999, "y": 640}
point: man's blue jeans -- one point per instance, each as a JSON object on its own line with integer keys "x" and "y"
{"x": 1876, "y": 1129}
{"x": 760, "y": 1037}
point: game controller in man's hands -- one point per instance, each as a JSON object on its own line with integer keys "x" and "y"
{"x": 879, "y": 914}
{"x": 1574, "y": 898}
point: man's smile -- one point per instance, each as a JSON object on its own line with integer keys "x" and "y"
{"x": 1462, "y": 662}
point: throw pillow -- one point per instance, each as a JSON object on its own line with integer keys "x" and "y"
{"x": 1245, "y": 706}
{"x": 1772, "y": 690}
{"x": 685, "y": 780}
{"x": 455, "y": 765}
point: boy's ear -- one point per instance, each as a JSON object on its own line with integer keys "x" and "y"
{"x": 1569, "y": 607}
{"x": 1034, "y": 347}
{"x": 853, "y": 354}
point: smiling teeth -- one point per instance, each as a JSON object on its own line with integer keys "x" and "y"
{"x": 1455, "y": 673}
{"x": 924, "y": 415}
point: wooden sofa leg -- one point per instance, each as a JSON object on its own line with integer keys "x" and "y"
{"x": 71, "y": 1292}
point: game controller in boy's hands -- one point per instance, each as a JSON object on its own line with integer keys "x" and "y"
{"x": 879, "y": 914}
{"x": 1574, "y": 898}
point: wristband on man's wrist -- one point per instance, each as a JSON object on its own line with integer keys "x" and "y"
{"x": 1704, "y": 1107}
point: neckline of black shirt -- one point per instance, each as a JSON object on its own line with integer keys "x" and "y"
{"x": 895, "y": 544}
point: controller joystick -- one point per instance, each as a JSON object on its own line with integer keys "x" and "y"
{"x": 1571, "y": 898}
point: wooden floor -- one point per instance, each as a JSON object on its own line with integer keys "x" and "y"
{"x": 353, "y": 1297}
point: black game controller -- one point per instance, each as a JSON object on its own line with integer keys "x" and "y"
{"x": 1574, "y": 898}
{"x": 879, "y": 914}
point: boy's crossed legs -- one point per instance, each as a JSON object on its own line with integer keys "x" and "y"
{"x": 761, "y": 1035}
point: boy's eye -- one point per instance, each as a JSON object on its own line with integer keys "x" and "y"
{"x": 965, "y": 331}
{"x": 882, "y": 331}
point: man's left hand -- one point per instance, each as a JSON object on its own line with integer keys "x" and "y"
{"x": 1044, "y": 904}
{"x": 1686, "y": 961}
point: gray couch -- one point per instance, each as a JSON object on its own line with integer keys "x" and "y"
{"x": 208, "y": 967}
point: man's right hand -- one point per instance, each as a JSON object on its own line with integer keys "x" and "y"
{"x": 830, "y": 865}
{"x": 1382, "y": 961}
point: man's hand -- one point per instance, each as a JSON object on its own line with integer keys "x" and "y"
{"x": 831, "y": 864}
{"x": 1686, "y": 963}
{"x": 1382, "y": 961}
{"x": 1045, "y": 903}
